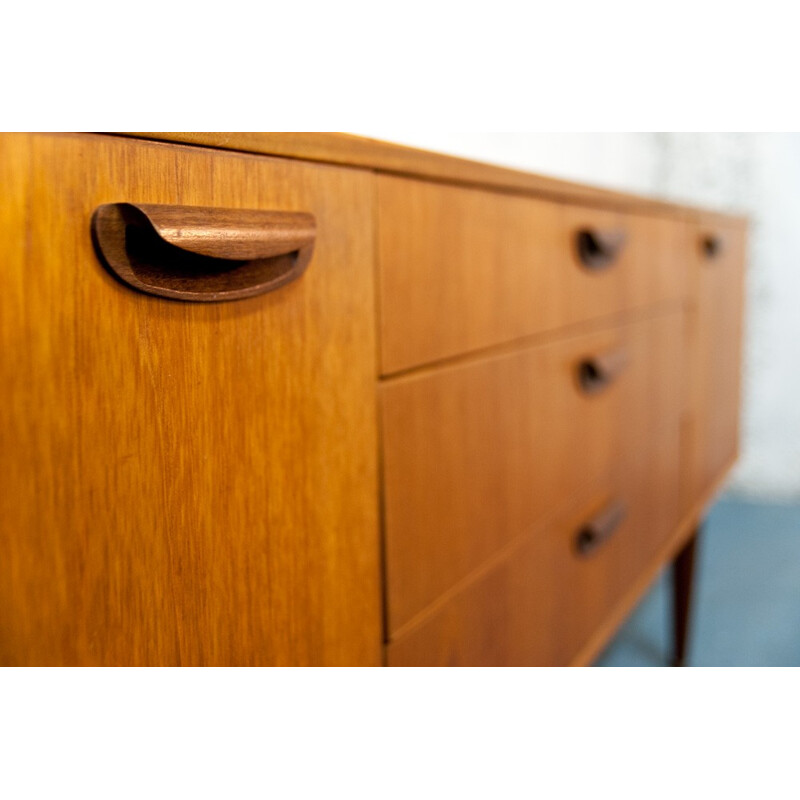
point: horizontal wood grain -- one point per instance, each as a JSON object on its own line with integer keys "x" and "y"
{"x": 183, "y": 484}
{"x": 477, "y": 454}
{"x": 543, "y": 602}
{"x": 461, "y": 270}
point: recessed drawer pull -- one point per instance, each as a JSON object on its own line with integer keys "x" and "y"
{"x": 600, "y": 528}
{"x": 202, "y": 254}
{"x": 599, "y": 248}
{"x": 595, "y": 373}
{"x": 713, "y": 245}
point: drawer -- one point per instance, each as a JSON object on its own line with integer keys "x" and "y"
{"x": 541, "y": 602}
{"x": 462, "y": 269}
{"x": 184, "y": 482}
{"x": 476, "y": 454}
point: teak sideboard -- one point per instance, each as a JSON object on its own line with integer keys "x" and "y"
{"x": 311, "y": 399}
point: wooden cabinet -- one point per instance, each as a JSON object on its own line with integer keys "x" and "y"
{"x": 490, "y": 410}
{"x": 184, "y": 483}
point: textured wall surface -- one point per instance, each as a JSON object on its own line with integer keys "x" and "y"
{"x": 757, "y": 174}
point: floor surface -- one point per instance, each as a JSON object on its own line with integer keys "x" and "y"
{"x": 747, "y": 597}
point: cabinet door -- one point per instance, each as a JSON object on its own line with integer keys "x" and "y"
{"x": 715, "y": 345}
{"x": 183, "y": 483}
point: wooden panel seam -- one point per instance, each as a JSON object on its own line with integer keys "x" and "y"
{"x": 575, "y": 331}
{"x": 393, "y": 159}
{"x": 501, "y": 555}
{"x": 592, "y": 649}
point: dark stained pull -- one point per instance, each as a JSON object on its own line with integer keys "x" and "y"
{"x": 598, "y": 248}
{"x": 600, "y": 528}
{"x": 712, "y": 245}
{"x": 595, "y": 373}
{"x": 202, "y": 254}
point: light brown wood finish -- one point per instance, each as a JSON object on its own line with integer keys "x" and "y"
{"x": 715, "y": 346}
{"x": 462, "y": 269}
{"x": 389, "y": 158}
{"x": 183, "y": 483}
{"x": 541, "y": 603}
{"x": 197, "y": 484}
{"x": 477, "y": 454}
{"x": 665, "y": 555}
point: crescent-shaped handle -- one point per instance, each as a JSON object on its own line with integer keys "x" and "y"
{"x": 600, "y": 528}
{"x": 596, "y": 372}
{"x": 202, "y": 254}
{"x": 598, "y": 247}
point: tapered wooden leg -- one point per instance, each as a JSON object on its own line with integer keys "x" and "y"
{"x": 682, "y": 580}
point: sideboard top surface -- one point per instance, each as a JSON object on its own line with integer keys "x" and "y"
{"x": 358, "y": 151}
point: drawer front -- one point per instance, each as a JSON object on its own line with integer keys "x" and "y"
{"x": 184, "y": 483}
{"x": 463, "y": 269}
{"x": 715, "y": 346}
{"x": 541, "y": 603}
{"x": 475, "y": 455}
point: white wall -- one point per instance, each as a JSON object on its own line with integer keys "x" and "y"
{"x": 758, "y": 174}
{"x": 771, "y": 446}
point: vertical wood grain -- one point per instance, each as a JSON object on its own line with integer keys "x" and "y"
{"x": 198, "y": 485}
{"x": 183, "y": 484}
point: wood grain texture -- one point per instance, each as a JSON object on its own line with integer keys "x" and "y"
{"x": 478, "y": 454}
{"x": 183, "y": 484}
{"x": 541, "y": 603}
{"x": 191, "y": 484}
{"x": 462, "y": 270}
{"x": 387, "y": 157}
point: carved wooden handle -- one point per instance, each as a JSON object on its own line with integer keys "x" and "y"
{"x": 599, "y": 248}
{"x": 202, "y": 254}
{"x": 600, "y": 528}
{"x": 597, "y": 372}
{"x": 712, "y": 245}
